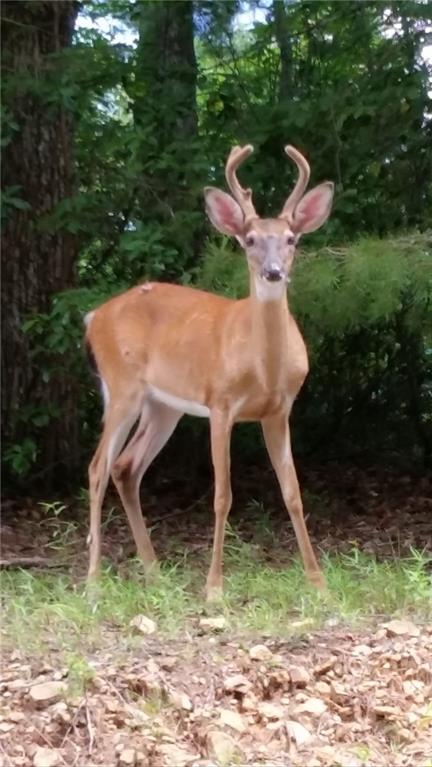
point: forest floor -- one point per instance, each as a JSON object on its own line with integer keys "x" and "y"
{"x": 148, "y": 674}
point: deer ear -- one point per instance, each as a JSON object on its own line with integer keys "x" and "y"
{"x": 224, "y": 213}
{"x": 314, "y": 208}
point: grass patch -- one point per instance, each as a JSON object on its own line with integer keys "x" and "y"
{"x": 50, "y": 608}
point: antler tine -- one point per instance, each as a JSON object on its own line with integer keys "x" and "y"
{"x": 302, "y": 182}
{"x": 243, "y": 196}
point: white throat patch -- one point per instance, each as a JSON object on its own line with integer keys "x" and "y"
{"x": 269, "y": 291}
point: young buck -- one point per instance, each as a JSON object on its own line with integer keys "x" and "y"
{"x": 163, "y": 350}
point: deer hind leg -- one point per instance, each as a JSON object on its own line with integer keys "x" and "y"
{"x": 278, "y": 442}
{"x": 117, "y": 424}
{"x": 155, "y": 427}
{"x": 220, "y": 428}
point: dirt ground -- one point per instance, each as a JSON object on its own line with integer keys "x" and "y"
{"x": 335, "y": 697}
{"x": 331, "y": 698}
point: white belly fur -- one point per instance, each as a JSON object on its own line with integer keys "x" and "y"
{"x": 176, "y": 403}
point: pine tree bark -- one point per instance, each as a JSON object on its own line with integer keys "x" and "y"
{"x": 36, "y": 263}
{"x": 167, "y": 70}
{"x": 281, "y": 26}
{"x": 165, "y": 109}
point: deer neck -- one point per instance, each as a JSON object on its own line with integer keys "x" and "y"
{"x": 270, "y": 334}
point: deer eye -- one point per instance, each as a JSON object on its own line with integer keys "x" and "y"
{"x": 250, "y": 240}
{"x": 290, "y": 240}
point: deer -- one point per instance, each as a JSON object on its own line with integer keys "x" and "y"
{"x": 163, "y": 350}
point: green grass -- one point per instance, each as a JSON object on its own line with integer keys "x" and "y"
{"x": 50, "y": 609}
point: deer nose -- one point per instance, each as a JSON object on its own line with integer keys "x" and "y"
{"x": 272, "y": 275}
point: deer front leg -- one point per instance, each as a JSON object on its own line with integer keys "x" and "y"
{"x": 278, "y": 442}
{"x": 220, "y": 431}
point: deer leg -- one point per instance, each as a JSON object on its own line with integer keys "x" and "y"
{"x": 278, "y": 442}
{"x": 220, "y": 430}
{"x": 156, "y": 426}
{"x": 117, "y": 424}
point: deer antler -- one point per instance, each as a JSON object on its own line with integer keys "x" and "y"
{"x": 243, "y": 196}
{"x": 300, "y": 187}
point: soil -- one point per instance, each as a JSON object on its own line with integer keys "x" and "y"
{"x": 326, "y": 698}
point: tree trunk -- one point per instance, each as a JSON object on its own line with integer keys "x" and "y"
{"x": 165, "y": 109}
{"x": 281, "y": 26}
{"x": 36, "y": 262}
{"x": 167, "y": 71}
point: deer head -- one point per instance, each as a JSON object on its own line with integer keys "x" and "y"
{"x": 269, "y": 243}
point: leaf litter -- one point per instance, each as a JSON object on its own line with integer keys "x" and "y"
{"x": 335, "y": 698}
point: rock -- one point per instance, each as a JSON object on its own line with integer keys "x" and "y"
{"x": 322, "y": 688}
{"x": 260, "y": 652}
{"x": 300, "y": 677}
{"x": 47, "y": 692}
{"x": 237, "y": 683}
{"x": 17, "y": 684}
{"x": 46, "y": 757}
{"x": 213, "y": 624}
{"x": 169, "y": 663}
{"x": 143, "y": 624}
{"x": 127, "y": 757}
{"x": 222, "y": 747}
{"x": 324, "y": 667}
{"x": 180, "y": 700}
{"x": 388, "y": 712}
{"x": 313, "y": 706}
{"x": 135, "y": 717}
{"x": 60, "y": 712}
{"x": 299, "y": 734}
{"x": 232, "y": 719}
{"x": 271, "y": 710}
{"x": 174, "y": 755}
{"x": 16, "y": 716}
{"x": 401, "y": 628}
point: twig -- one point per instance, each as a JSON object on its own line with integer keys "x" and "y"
{"x": 89, "y": 729}
{"x": 72, "y": 723}
{"x": 8, "y": 761}
{"x": 30, "y": 562}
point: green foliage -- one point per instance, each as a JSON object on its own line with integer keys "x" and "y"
{"x": 365, "y": 311}
{"x": 258, "y": 598}
{"x": 154, "y": 119}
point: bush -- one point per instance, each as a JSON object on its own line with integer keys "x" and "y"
{"x": 365, "y": 312}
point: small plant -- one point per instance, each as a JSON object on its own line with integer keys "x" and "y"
{"x": 80, "y": 674}
{"x": 53, "y": 507}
